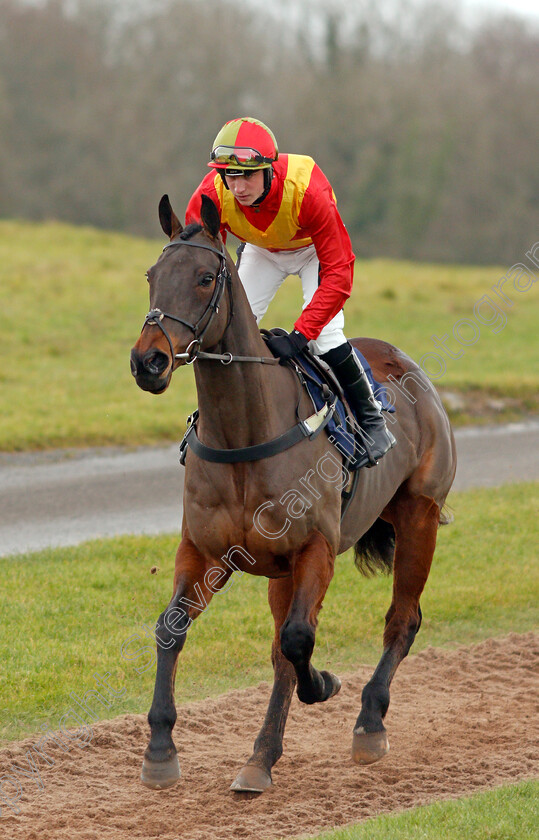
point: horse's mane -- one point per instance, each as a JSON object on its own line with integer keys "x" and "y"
{"x": 190, "y": 230}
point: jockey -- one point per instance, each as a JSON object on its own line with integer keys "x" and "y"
{"x": 283, "y": 210}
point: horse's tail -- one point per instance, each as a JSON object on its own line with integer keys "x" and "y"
{"x": 374, "y": 551}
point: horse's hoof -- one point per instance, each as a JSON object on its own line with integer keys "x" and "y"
{"x": 327, "y": 685}
{"x": 332, "y": 684}
{"x": 251, "y": 779}
{"x": 368, "y": 747}
{"x": 159, "y": 775}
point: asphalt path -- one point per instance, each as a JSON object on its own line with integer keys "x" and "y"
{"x": 63, "y": 498}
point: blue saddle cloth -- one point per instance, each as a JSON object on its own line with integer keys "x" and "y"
{"x": 336, "y": 428}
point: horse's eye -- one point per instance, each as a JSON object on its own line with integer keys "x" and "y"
{"x": 206, "y": 281}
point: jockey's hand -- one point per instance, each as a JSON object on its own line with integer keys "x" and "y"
{"x": 286, "y": 346}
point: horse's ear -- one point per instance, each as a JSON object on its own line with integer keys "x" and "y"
{"x": 209, "y": 215}
{"x": 169, "y": 221}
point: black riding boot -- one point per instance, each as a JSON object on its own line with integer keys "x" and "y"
{"x": 352, "y": 378}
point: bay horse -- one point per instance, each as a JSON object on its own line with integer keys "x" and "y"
{"x": 251, "y": 511}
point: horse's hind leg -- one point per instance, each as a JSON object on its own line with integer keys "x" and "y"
{"x": 191, "y": 596}
{"x": 415, "y": 520}
{"x": 312, "y": 573}
{"x": 255, "y": 776}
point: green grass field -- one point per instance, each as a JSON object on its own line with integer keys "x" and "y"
{"x": 67, "y": 614}
{"x": 73, "y": 302}
{"x": 508, "y": 813}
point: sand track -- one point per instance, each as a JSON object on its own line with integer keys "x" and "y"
{"x": 460, "y": 721}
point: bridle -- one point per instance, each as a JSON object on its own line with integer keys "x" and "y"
{"x": 309, "y": 428}
{"x": 223, "y": 279}
{"x": 193, "y": 351}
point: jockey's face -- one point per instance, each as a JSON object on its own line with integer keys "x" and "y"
{"x": 247, "y": 187}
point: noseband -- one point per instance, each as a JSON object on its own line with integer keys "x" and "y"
{"x": 156, "y": 316}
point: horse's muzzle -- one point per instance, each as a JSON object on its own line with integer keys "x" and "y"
{"x": 150, "y": 369}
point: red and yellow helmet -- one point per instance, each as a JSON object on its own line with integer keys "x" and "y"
{"x": 244, "y": 143}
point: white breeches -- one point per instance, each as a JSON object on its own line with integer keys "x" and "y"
{"x": 262, "y": 272}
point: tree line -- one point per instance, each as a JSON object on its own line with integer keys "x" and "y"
{"x": 428, "y": 128}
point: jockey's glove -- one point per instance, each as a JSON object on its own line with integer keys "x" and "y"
{"x": 286, "y": 346}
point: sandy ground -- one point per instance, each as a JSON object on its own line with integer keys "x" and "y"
{"x": 460, "y": 721}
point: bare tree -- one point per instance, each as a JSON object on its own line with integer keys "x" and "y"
{"x": 427, "y": 128}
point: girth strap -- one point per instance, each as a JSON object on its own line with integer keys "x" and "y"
{"x": 309, "y": 428}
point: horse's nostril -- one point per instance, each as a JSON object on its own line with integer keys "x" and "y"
{"x": 156, "y": 362}
{"x": 134, "y": 361}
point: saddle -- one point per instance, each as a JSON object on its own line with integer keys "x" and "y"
{"x": 343, "y": 429}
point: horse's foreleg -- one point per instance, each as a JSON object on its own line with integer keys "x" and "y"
{"x": 191, "y": 596}
{"x": 416, "y": 524}
{"x": 312, "y": 573}
{"x": 256, "y": 775}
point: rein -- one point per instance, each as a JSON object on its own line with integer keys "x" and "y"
{"x": 223, "y": 279}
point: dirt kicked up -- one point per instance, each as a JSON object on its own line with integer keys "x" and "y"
{"x": 459, "y": 722}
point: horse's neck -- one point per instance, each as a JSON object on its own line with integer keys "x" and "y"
{"x": 241, "y": 404}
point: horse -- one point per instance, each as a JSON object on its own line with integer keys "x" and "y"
{"x": 246, "y": 514}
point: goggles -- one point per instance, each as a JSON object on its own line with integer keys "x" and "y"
{"x": 245, "y": 173}
{"x": 239, "y": 156}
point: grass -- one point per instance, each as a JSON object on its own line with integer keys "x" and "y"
{"x": 73, "y": 301}
{"x": 67, "y": 614}
{"x": 507, "y": 813}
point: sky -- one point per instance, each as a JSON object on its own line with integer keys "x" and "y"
{"x": 525, "y": 8}
{"x": 529, "y": 8}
